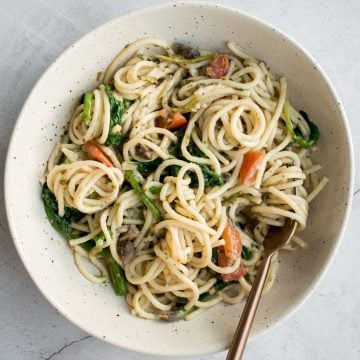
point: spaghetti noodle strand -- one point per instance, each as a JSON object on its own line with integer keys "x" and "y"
{"x": 172, "y": 172}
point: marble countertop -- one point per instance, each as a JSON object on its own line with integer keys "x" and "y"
{"x": 32, "y": 34}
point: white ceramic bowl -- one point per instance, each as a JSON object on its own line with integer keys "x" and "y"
{"x": 45, "y": 254}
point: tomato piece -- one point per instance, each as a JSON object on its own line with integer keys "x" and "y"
{"x": 236, "y": 275}
{"x": 250, "y": 166}
{"x": 95, "y": 153}
{"x": 177, "y": 121}
{"x": 224, "y": 261}
{"x": 218, "y": 67}
{"x": 232, "y": 239}
{"x": 170, "y": 121}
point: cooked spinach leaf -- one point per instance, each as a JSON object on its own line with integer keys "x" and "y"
{"x": 60, "y": 223}
{"x": 246, "y": 253}
{"x": 144, "y": 168}
{"x": 296, "y": 133}
{"x": 115, "y": 139}
{"x": 180, "y": 312}
{"x": 210, "y": 177}
{"x": 117, "y": 110}
{"x": 175, "y": 150}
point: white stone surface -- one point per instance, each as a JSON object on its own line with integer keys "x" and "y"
{"x": 32, "y": 34}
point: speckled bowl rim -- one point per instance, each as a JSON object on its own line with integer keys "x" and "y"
{"x": 316, "y": 280}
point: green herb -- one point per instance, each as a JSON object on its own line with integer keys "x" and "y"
{"x": 130, "y": 177}
{"x": 314, "y": 130}
{"x": 220, "y": 285}
{"x": 88, "y": 245}
{"x": 193, "y": 149}
{"x": 144, "y": 168}
{"x": 296, "y": 133}
{"x": 174, "y": 170}
{"x": 86, "y": 114}
{"x": 117, "y": 107}
{"x": 205, "y": 297}
{"x": 191, "y": 105}
{"x": 246, "y": 253}
{"x": 182, "y": 60}
{"x": 73, "y": 215}
{"x": 115, "y": 139}
{"x": 117, "y": 110}
{"x": 64, "y": 160}
{"x": 211, "y": 178}
{"x": 60, "y": 223}
{"x": 175, "y": 150}
{"x": 116, "y": 273}
{"x": 155, "y": 189}
{"x": 93, "y": 195}
{"x": 99, "y": 239}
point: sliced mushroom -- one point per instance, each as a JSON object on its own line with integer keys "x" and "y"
{"x": 128, "y": 232}
{"x": 186, "y": 51}
{"x": 126, "y": 251}
{"x": 143, "y": 151}
{"x": 226, "y": 177}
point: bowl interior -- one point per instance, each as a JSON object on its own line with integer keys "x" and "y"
{"x": 45, "y": 254}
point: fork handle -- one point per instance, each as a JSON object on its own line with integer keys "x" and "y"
{"x": 247, "y": 318}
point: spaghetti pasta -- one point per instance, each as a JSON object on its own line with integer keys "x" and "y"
{"x": 192, "y": 158}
